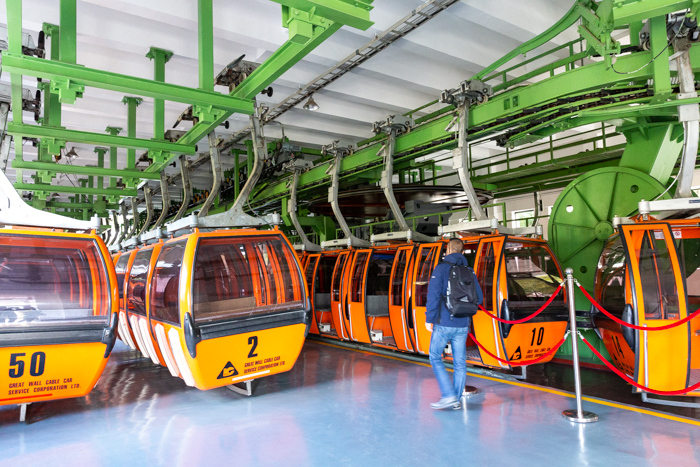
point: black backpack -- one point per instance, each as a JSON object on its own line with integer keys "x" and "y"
{"x": 461, "y": 297}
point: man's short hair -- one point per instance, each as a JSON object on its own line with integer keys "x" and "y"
{"x": 455, "y": 245}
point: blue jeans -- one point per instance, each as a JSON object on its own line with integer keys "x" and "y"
{"x": 458, "y": 337}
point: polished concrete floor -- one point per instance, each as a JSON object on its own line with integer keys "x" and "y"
{"x": 336, "y": 406}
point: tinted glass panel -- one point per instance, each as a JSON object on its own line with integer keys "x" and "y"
{"x": 657, "y": 276}
{"x": 338, "y": 277}
{"x": 379, "y": 273}
{"x": 136, "y": 287}
{"x": 397, "y": 280}
{"x": 324, "y": 274}
{"x": 425, "y": 269}
{"x": 689, "y": 250}
{"x": 532, "y": 275}
{"x": 610, "y": 277}
{"x": 357, "y": 286}
{"x": 165, "y": 285}
{"x": 48, "y": 280}
{"x": 120, "y": 269}
{"x": 486, "y": 272}
{"x": 229, "y": 269}
{"x": 309, "y": 272}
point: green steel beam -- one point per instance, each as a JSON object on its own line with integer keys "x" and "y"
{"x": 353, "y": 13}
{"x": 82, "y": 170}
{"x": 78, "y": 190}
{"x": 80, "y": 75}
{"x": 34, "y": 131}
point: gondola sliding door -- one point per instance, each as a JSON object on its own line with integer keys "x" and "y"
{"x": 398, "y": 298}
{"x": 663, "y": 357}
{"x": 357, "y": 297}
{"x": 427, "y": 258}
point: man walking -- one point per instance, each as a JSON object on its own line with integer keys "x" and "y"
{"x": 447, "y": 328}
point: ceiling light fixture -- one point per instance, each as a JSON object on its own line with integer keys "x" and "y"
{"x": 72, "y": 154}
{"x": 311, "y": 104}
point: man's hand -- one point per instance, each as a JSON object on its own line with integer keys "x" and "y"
{"x": 429, "y": 327}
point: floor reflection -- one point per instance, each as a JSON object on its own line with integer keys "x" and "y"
{"x": 335, "y": 406}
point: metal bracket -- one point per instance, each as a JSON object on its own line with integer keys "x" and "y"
{"x": 236, "y": 216}
{"x": 306, "y": 244}
{"x": 689, "y": 116}
{"x": 350, "y": 240}
{"x": 247, "y": 391}
{"x": 156, "y": 232}
{"x": 668, "y": 207}
{"x": 23, "y": 412}
{"x": 488, "y": 226}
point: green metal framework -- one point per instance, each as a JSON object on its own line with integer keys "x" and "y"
{"x": 310, "y": 22}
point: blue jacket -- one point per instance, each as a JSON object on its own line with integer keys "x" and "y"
{"x": 437, "y": 288}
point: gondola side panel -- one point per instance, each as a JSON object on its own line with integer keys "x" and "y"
{"x": 48, "y": 372}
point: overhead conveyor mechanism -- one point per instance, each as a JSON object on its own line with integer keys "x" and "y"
{"x": 350, "y": 240}
{"x": 393, "y": 126}
{"x": 306, "y": 244}
{"x": 236, "y": 215}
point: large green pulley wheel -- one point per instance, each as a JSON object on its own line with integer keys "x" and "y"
{"x": 581, "y": 219}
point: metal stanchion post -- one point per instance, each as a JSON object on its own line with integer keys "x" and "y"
{"x": 578, "y": 415}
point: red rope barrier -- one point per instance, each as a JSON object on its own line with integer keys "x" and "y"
{"x": 528, "y": 318}
{"x": 523, "y": 363}
{"x": 639, "y": 328}
{"x": 634, "y": 383}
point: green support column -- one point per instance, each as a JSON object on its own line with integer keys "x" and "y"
{"x": 659, "y": 50}
{"x": 160, "y": 57}
{"x": 52, "y": 106}
{"x": 68, "y": 32}
{"x": 14, "y": 43}
{"x": 114, "y": 131}
{"x": 100, "y": 163}
{"x": 132, "y": 103}
{"x": 206, "y": 44}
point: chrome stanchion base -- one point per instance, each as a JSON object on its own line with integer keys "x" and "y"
{"x": 470, "y": 391}
{"x": 587, "y": 417}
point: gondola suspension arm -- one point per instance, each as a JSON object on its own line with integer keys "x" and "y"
{"x": 393, "y": 126}
{"x": 350, "y": 240}
{"x": 215, "y": 159}
{"x": 186, "y": 188}
{"x": 236, "y": 215}
{"x": 689, "y": 115}
{"x": 468, "y": 94}
{"x": 148, "y": 196}
{"x": 306, "y": 244}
